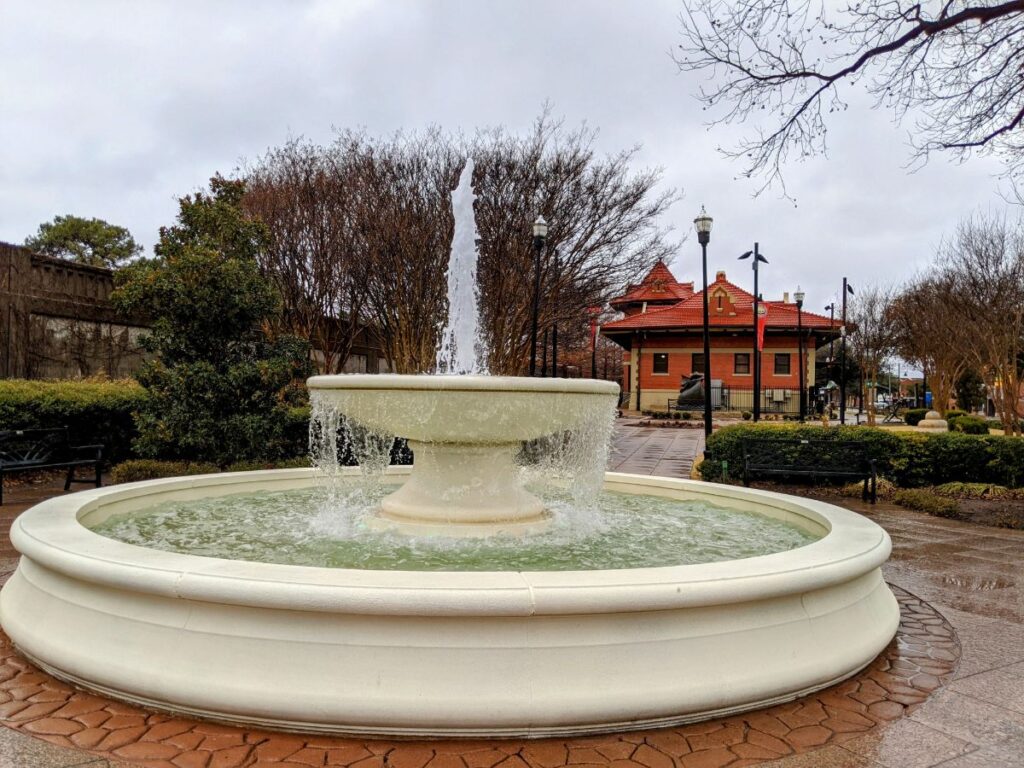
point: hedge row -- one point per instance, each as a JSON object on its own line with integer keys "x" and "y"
{"x": 151, "y": 469}
{"x": 94, "y": 411}
{"x": 909, "y": 460}
{"x": 100, "y": 411}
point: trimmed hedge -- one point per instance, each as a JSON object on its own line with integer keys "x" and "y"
{"x": 969, "y": 425}
{"x": 928, "y": 502}
{"x": 93, "y": 410}
{"x": 151, "y": 469}
{"x": 910, "y": 460}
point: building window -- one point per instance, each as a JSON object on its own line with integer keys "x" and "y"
{"x": 741, "y": 362}
{"x": 661, "y": 362}
{"x": 697, "y": 364}
{"x": 782, "y": 364}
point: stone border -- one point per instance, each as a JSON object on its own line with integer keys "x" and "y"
{"x": 227, "y": 640}
{"x": 921, "y": 658}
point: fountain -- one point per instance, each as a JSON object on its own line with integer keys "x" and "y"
{"x": 503, "y": 586}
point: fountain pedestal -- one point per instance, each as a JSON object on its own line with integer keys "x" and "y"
{"x": 464, "y": 432}
{"x": 463, "y": 490}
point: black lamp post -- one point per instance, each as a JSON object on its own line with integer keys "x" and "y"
{"x": 703, "y": 225}
{"x": 554, "y": 326}
{"x": 757, "y": 259}
{"x": 831, "y": 324}
{"x": 540, "y": 235}
{"x": 799, "y": 296}
{"x": 847, "y": 289}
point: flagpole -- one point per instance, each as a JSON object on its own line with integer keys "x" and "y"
{"x": 757, "y": 347}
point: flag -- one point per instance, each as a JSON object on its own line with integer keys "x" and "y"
{"x": 762, "y": 321}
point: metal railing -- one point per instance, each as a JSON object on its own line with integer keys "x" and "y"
{"x": 785, "y": 400}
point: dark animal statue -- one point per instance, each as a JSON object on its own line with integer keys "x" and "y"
{"x": 691, "y": 390}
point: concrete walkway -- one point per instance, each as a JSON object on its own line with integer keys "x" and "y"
{"x": 666, "y": 451}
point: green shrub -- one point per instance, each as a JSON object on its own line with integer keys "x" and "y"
{"x": 676, "y": 414}
{"x": 914, "y": 416}
{"x": 953, "y": 413}
{"x": 969, "y": 425}
{"x": 302, "y": 462}
{"x": 93, "y": 410}
{"x": 972, "y": 491}
{"x": 151, "y": 469}
{"x": 931, "y": 503}
{"x": 685, "y": 415}
{"x": 747, "y": 415}
{"x": 906, "y": 458}
{"x": 884, "y": 489}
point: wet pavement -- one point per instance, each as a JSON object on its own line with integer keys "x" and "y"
{"x": 949, "y": 692}
{"x": 666, "y": 451}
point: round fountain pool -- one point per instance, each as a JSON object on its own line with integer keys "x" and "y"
{"x": 499, "y": 650}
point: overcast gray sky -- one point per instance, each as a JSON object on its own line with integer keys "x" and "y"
{"x": 113, "y": 109}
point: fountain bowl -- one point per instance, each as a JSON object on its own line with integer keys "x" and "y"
{"x": 446, "y": 653}
{"x": 465, "y": 432}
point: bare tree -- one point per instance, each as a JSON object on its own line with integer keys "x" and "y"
{"x": 604, "y": 231}
{"x": 874, "y": 338}
{"x": 406, "y": 223}
{"x": 306, "y": 195}
{"x": 952, "y": 66}
{"x": 985, "y": 262}
{"x": 366, "y": 224}
{"x": 931, "y": 337}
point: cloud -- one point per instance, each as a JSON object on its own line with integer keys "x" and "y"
{"x": 114, "y": 109}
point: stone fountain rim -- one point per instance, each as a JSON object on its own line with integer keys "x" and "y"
{"x": 51, "y": 534}
{"x": 460, "y": 383}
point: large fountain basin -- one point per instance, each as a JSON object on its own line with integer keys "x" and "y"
{"x": 444, "y": 653}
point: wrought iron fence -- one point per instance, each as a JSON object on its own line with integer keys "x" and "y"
{"x": 784, "y": 400}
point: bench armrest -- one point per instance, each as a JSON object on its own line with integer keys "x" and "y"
{"x": 95, "y": 449}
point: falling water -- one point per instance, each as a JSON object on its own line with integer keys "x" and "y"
{"x": 460, "y": 349}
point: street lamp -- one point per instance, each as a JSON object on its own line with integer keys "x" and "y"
{"x": 757, "y": 259}
{"x": 554, "y": 325}
{"x": 847, "y": 289}
{"x": 540, "y": 235}
{"x": 799, "y": 296}
{"x": 703, "y": 226}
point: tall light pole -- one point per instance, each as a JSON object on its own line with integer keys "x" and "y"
{"x": 847, "y": 289}
{"x": 540, "y": 235}
{"x": 554, "y": 325}
{"x": 757, "y": 259}
{"x": 799, "y": 296}
{"x": 703, "y": 225}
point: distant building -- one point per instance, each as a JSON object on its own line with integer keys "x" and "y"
{"x": 661, "y": 334}
{"x": 56, "y": 321}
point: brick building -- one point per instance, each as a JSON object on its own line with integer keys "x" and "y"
{"x": 661, "y": 333}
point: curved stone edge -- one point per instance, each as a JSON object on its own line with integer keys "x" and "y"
{"x": 460, "y": 383}
{"x": 50, "y": 534}
{"x": 921, "y": 658}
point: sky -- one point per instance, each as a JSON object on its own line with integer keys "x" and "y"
{"x": 115, "y": 109}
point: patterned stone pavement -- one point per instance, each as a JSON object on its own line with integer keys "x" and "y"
{"x": 914, "y": 706}
{"x": 666, "y": 451}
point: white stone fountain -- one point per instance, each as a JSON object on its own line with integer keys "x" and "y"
{"x": 447, "y": 652}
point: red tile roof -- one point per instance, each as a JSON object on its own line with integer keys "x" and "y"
{"x": 689, "y": 312}
{"x": 660, "y": 285}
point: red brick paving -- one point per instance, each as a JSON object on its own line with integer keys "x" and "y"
{"x": 921, "y": 658}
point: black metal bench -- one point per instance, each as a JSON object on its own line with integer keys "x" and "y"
{"x": 26, "y": 450}
{"x": 841, "y": 459}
